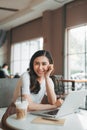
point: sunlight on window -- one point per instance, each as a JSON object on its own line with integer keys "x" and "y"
{"x": 76, "y": 55}
{"x": 76, "y": 52}
{"x": 21, "y": 54}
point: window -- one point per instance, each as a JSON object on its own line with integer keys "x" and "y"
{"x": 76, "y": 53}
{"x": 21, "y": 54}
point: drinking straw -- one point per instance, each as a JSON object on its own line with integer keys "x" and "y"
{"x": 21, "y": 94}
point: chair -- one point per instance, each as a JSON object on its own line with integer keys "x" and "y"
{"x": 2, "y": 74}
{"x": 7, "y": 87}
{"x": 58, "y": 85}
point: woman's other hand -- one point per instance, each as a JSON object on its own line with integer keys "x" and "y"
{"x": 59, "y": 102}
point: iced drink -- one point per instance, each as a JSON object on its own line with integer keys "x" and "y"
{"x": 21, "y": 109}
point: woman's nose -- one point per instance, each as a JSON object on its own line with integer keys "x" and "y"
{"x": 40, "y": 66}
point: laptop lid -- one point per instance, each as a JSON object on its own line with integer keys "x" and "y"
{"x": 70, "y": 105}
{"x": 72, "y": 102}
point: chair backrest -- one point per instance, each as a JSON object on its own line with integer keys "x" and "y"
{"x": 2, "y": 74}
{"x": 58, "y": 84}
{"x": 7, "y": 87}
{"x": 58, "y": 87}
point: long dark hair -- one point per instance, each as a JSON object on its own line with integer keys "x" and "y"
{"x": 34, "y": 84}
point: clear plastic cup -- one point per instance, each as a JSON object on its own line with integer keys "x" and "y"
{"x": 21, "y": 108}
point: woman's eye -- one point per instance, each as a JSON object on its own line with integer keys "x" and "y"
{"x": 36, "y": 63}
{"x": 44, "y": 64}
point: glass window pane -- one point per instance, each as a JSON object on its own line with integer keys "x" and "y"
{"x": 25, "y": 51}
{"x": 17, "y": 67}
{"x": 76, "y": 63}
{"x": 77, "y": 40}
{"x": 76, "y": 48}
{"x": 86, "y": 64}
{"x": 24, "y": 65}
{"x": 21, "y": 54}
{"x": 17, "y": 52}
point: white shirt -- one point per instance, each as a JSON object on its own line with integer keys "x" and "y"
{"x": 37, "y": 98}
{"x": 6, "y": 71}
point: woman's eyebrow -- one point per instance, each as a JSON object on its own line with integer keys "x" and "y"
{"x": 43, "y": 62}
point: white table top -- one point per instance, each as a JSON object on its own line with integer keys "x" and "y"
{"x": 72, "y": 122}
{"x": 2, "y": 111}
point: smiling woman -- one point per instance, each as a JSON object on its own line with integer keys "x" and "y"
{"x": 36, "y": 83}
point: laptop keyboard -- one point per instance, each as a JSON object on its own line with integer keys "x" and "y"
{"x": 54, "y": 112}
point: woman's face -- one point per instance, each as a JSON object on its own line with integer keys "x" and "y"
{"x": 40, "y": 65}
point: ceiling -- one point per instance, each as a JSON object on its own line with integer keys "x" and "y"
{"x": 17, "y": 12}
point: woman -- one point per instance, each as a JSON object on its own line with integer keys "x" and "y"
{"x": 5, "y": 70}
{"x": 37, "y": 82}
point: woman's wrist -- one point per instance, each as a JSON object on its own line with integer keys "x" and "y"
{"x": 47, "y": 76}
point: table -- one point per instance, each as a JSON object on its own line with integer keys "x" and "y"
{"x": 73, "y": 82}
{"x": 75, "y": 121}
{"x": 2, "y": 111}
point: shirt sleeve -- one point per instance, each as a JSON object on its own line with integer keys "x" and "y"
{"x": 25, "y": 83}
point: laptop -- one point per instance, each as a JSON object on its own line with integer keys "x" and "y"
{"x": 70, "y": 105}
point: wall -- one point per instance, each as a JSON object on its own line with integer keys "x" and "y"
{"x": 27, "y": 31}
{"x": 76, "y": 13}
